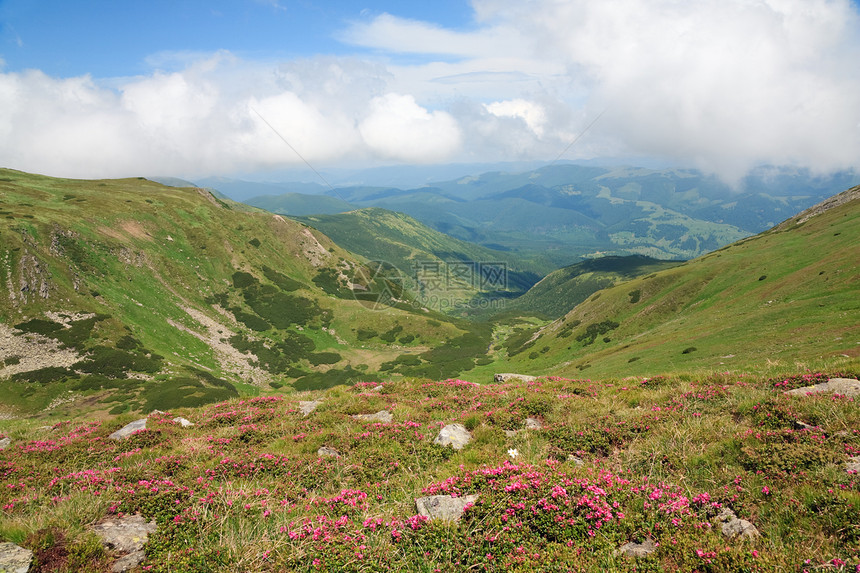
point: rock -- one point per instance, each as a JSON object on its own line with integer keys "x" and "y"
{"x": 445, "y": 507}
{"x": 845, "y": 386}
{"x": 308, "y": 406}
{"x": 798, "y": 425}
{"x": 4, "y": 443}
{"x": 383, "y": 416}
{"x": 733, "y": 527}
{"x": 14, "y": 559}
{"x": 575, "y": 460}
{"x": 632, "y": 549}
{"x": 126, "y": 535}
{"x": 853, "y": 465}
{"x": 533, "y": 424}
{"x": 129, "y": 429}
{"x": 511, "y": 433}
{"x": 507, "y": 377}
{"x": 327, "y": 452}
{"x": 183, "y": 422}
{"x": 454, "y": 434}
{"x": 377, "y": 388}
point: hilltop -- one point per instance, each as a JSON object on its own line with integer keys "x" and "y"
{"x": 127, "y": 295}
{"x": 787, "y": 295}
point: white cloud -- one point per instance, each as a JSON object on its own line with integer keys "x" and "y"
{"x": 530, "y": 112}
{"x": 720, "y": 84}
{"x": 398, "y": 128}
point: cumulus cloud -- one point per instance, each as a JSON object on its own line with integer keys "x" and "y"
{"x": 398, "y": 128}
{"x": 724, "y": 85}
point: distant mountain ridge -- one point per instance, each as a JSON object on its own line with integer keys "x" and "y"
{"x": 560, "y": 213}
{"x": 791, "y": 293}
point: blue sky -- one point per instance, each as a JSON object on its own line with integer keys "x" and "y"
{"x": 196, "y": 88}
{"x": 111, "y": 38}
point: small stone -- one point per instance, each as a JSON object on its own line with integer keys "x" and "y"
{"x": 14, "y": 558}
{"x": 445, "y": 507}
{"x": 327, "y": 452}
{"x": 511, "y": 433}
{"x": 129, "y": 429}
{"x": 4, "y": 443}
{"x": 454, "y": 434}
{"x": 126, "y": 535}
{"x": 575, "y": 460}
{"x": 798, "y": 425}
{"x": 308, "y": 406}
{"x": 377, "y": 388}
{"x": 183, "y": 422}
{"x": 853, "y": 465}
{"x": 508, "y": 376}
{"x": 733, "y": 527}
{"x": 633, "y": 549}
{"x": 383, "y": 416}
{"x": 533, "y": 424}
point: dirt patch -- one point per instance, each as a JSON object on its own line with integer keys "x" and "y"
{"x": 33, "y": 352}
{"x": 229, "y": 358}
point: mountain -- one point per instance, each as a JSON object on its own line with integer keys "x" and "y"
{"x": 444, "y": 273}
{"x": 560, "y": 291}
{"x": 126, "y": 295}
{"x": 558, "y": 214}
{"x": 297, "y": 204}
{"x": 789, "y": 294}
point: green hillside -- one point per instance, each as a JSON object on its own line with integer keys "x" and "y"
{"x": 445, "y": 274}
{"x": 789, "y": 294}
{"x": 126, "y": 294}
{"x": 560, "y": 291}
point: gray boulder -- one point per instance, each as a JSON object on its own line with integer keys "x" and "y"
{"x": 853, "y": 465}
{"x": 445, "y": 507}
{"x": 845, "y": 386}
{"x": 129, "y": 429}
{"x": 533, "y": 424}
{"x": 508, "y": 376}
{"x": 183, "y": 422}
{"x": 327, "y": 452}
{"x": 455, "y": 435}
{"x": 4, "y": 443}
{"x": 732, "y": 527}
{"x": 383, "y": 416}
{"x": 643, "y": 549}
{"x": 126, "y": 536}
{"x": 308, "y": 406}
{"x": 14, "y": 559}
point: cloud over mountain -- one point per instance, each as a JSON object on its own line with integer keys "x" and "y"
{"x": 721, "y": 85}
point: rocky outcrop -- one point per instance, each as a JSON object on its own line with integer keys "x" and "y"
{"x": 14, "y": 559}
{"x": 636, "y": 549}
{"x": 507, "y": 377}
{"x": 308, "y": 406}
{"x": 129, "y": 429}
{"x": 126, "y": 536}
{"x": 444, "y": 507}
{"x": 454, "y": 435}
{"x": 733, "y": 527}
{"x": 383, "y": 416}
{"x": 844, "y": 386}
{"x": 327, "y": 452}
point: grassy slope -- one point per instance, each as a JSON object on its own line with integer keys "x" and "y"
{"x": 403, "y": 242}
{"x": 245, "y": 490}
{"x": 560, "y": 291}
{"x": 151, "y": 261}
{"x": 788, "y": 294}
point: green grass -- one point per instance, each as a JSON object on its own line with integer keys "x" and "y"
{"x": 802, "y": 314}
{"x": 661, "y": 456}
